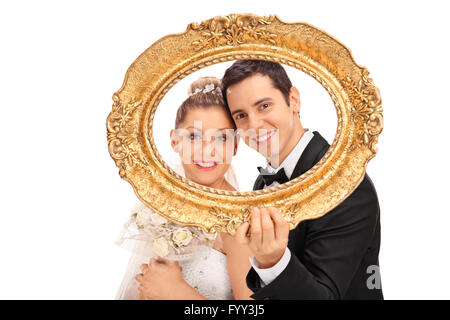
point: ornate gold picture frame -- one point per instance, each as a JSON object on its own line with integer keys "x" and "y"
{"x": 234, "y": 37}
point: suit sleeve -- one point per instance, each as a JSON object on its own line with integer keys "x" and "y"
{"x": 335, "y": 245}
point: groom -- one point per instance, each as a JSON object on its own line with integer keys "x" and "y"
{"x": 332, "y": 257}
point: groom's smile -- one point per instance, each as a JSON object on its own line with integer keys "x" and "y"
{"x": 264, "y": 138}
{"x": 264, "y": 119}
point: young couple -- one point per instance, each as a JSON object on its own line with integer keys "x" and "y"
{"x": 325, "y": 258}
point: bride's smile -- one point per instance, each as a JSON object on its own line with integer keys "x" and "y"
{"x": 206, "y": 165}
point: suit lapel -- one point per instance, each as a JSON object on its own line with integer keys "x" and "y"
{"x": 312, "y": 154}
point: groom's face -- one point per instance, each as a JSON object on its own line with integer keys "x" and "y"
{"x": 262, "y": 113}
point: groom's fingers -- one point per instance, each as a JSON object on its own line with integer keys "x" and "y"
{"x": 255, "y": 228}
{"x": 281, "y": 225}
{"x": 268, "y": 231}
{"x": 241, "y": 233}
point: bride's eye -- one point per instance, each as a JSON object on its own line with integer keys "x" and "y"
{"x": 194, "y": 136}
{"x": 221, "y": 138}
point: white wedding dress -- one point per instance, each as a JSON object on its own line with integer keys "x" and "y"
{"x": 206, "y": 271}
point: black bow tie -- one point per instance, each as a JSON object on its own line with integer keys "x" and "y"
{"x": 269, "y": 178}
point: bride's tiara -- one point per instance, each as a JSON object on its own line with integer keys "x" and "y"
{"x": 208, "y": 88}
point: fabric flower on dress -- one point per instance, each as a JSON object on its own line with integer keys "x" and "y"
{"x": 161, "y": 247}
{"x": 182, "y": 237}
{"x": 150, "y": 234}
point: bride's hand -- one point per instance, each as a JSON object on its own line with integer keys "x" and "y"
{"x": 161, "y": 279}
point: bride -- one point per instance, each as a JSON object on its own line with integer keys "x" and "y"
{"x": 214, "y": 272}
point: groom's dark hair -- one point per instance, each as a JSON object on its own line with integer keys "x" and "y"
{"x": 243, "y": 69}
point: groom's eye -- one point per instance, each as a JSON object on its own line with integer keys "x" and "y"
{"x": 264, "y": 106}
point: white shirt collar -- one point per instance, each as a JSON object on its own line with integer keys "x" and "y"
{"x": 291, "y": 160}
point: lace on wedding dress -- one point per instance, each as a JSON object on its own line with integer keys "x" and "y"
{"x": 206, "y": 272}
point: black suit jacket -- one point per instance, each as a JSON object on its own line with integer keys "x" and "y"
{"x": 330, "y": 256}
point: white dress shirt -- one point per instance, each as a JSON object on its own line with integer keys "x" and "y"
{"x": 269, "y": 274}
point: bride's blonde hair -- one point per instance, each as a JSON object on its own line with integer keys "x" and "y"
{"x": 202, "y": 93}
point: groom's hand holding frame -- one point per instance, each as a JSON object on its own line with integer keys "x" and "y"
{"x": 268, "y": 238}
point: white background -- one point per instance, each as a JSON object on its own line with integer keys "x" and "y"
{"x": 62, "y": 201}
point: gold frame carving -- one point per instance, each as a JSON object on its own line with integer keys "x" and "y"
{"x": 234, "y": 37}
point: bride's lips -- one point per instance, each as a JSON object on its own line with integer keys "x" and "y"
{"x": 206, "y": 165}
{"x": 264, "y": 138}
